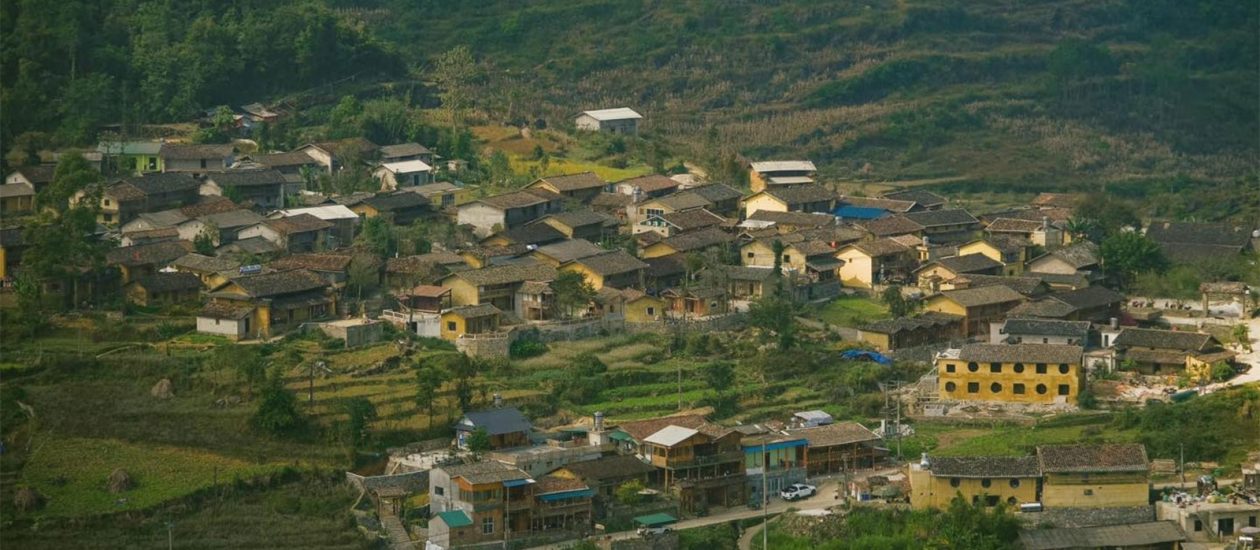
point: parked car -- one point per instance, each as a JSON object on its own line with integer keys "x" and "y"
{"x": 654, "y": 531}
{"x": 797, "y": 491}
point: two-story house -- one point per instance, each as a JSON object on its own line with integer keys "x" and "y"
{"x": 615, "y": 269}
{"x": 581, "y": 186}
{"x": 812, "y": 198}
{"x": 930, "y": 276}
{"x": 490, "y": 214}
{"x": 132, "y": 157}
{"x": 1011, "y": 252}
{"x": 581, "y": 224}
{"x": 1094, "y": 476}
{"x": 263, "y": 188}
{"x": 332, "y": 156}
{"x": 196, "y": 158}
{"x": 1041, "y": 331}
{"x": 1013, "y": 373}
{"x": 978, "y": 306}
{"x": 701, "y": 463}
{"x": 121, "y": 201}
{"x": 402, "y": 152}
{"x": 475, "y": 503}
{"x": 300, "y": 233}
{"x": 691, "y": 241}
{"x": 495, "y": 285}
{"x": 266, "y": 305}
{"x": 645, "y": 187}
{"x": 773, "y": 174}
{"x": 867, "y": 263}
{"x": 945, "y": 225}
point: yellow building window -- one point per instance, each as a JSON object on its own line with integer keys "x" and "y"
{"x": 1041, "y": 389}
{"x": 995, "y": 387}
{"x": 973, "y": 387}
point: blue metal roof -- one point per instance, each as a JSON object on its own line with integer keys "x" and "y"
{"x": 776, "y": 445}
{"x": 517, "y": 482}
{"x": 860, "y": 212}
{"x": 579, "y": 493}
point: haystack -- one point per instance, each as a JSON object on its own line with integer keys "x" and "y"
{"x": 119, "y": 481}
{"x": 163, "y": 389}
{"x": 28, "y": 499}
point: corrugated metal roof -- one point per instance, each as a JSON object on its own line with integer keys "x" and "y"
{"x": 619, "y": 113}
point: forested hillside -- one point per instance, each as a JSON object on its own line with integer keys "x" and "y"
{"x": 1034, "y": 93}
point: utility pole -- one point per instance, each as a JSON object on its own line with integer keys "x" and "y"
{"x": 680, "y": 385}
{"x": 765, "y": 497}
{"x": 1182, "y": 447}
{"x": 170, "y": 535}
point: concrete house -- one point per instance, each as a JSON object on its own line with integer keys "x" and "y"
{"x": 839, "y": 447}
{"x": 583, "y": 186}
{"x": 472, "y": 504}
{"x": 780, "y": 173}
{"x": 1014, "y": 373}
{"x": 507, "y": 428}
{"x": 263, "y": 188}
{"x": 136, "y": 157}
{"x": 1041, "y": 331}
{"x": 402, "y": 152}
{"x": 508, "y": 210}
{"x": 620, "y": 120}
{"x": 196, "y": 158}
{"x": 405, "y": 173}
{"x": 772, "y": 460}
{"x": 267, "y": 304}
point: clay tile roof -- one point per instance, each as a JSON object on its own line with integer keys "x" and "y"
{"x": 313, "y": 262}
{"x": 556, "y": 484}
{"x": 208, "y": 205}
{"x": 641, "y": 429}
{"x": 1089, "y": 297}
{"x": 1012, "y": 225}
{"x": 575, "y": 182}
{"x": 714, "y": 192}
{"x": 1118, "y": 457}
{"x": 1027, "y": 286}
{"x": 152, "y": 253}
{"x": 277, "y": 160}
{"x": 42, "y": 173}
{"x": 349, "y": 146}
{"x": 611, "y": 200}
{"x": 1022, "y": 353}
{"x": 987, "y": 295}
{"x": 163, "y": 182}
{"x": 567, "y": 251}
{"x": 301, "y": 223}
{"x": 479, "y": 310}
{"x": 246, "y": 178}
{"x": 205, "y": 264}
{"x": 195, "y": 151}
{"x": 925, "y": 198}
{"x": 232, "y": 218}
{"x": 890, "y": 225}
{"x": 1215, "y": 234}
{"x": 1045, "y": 308}
{"x": 489, "y": 471}
{"x": 1164, "y": 339}
{"x": 279, "y": 282}
{"x": 682, "y": 200}
{"x": 694, "y": 218}
{"x": 226, "y": 310}
{"x": 612, "y": 263}
{"x": 539, "y": 287}
{"x": 801, "y": 194}
{"x": 934, "y": 218}
{"x": 651, "y": 183}
{"x": 839, "y": 433}
{"x": 891, "y": 205}
{"x": 1047, "y": 327}
{"x": 984, "y": 466}
{"x": 16, "y": 190}
{"x": 967, "y": 263}
{"x": 1153, "y": 534}
{"x": 880, "y": 247}
{"x": 804, "y": 219}
{"x": 928, "y": 319}
{"x": 664, "y": 266}
{"x": 507, "y": 274}
{"x": 581, "y": 218}
{"x": 812, "y": 248}
{"x": 169, "y": 282}
{"x": 403, "y": 150}
{"x": 519, "y": 199}
{"x": 397, "y": 200}
{"x": 609, "y": 467}
{"x": 534, "y": 233}
{"x": 698, "y": 239}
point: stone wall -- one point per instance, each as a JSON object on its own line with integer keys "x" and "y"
{"x": 484, "y": 347}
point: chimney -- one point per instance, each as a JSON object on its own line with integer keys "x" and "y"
{"x": 599, "y": 421}
{"x": 498, "y": 401}
{"x": 1114, "y": 323}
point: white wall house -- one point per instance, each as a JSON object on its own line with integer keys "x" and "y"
{"x": 621, "y": 120}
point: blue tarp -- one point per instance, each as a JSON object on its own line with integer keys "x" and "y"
{"x": 580, "y": 493}
{"x": 776, "y": 445}
{"x": 860, "y": 212}
{"x": 860, "y": 355}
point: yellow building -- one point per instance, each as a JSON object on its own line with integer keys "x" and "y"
{"x": 934, "y": 273}
{"x": 617, "y": 269}
{"x": 1019, "y": 373}
{"x": 979, "y": 306}
{"x": 495, "y": 285}
{"x": 936, "y": 481}
{"x": 691, "y": 241}
{"x": 266, "y": 305}
{"x": 865, "y": 261}
{"x": 480, "y": 319}
{"x": 1011, "y": 252}
{"x": 1094, "y": 476}
{"x": 642, "y": 308}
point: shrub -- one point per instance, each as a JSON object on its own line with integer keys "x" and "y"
{"x": 524, "y": 349}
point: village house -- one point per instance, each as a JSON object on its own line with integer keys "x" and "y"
{"x": 674, "y": 223}
{"x": 1205, "y": 521}
{"x": 407, "y": 271}
{"x": 988, "y": 480}
{"x": 778, "y": 458}
{"x": 442, "y": 195}
{"x": 333, "y": 156}
{"x": 523, "y": 237}
{"x": 639, "y": 307}
{"x": 839, "y": 447}
{"x": 266, "y": 305}
{"x": 716, "y": 198}
{"x": 36, "y": 178}
{"x": 794, "y": 221}
{"x": 162, "y": 289}
{"x": 1094, "y": 476}
{"x": 581, "y": 224}
{"x": 619, "y": 120}
{"x": 300, "y": 233}
{"x": 780, "y": 173}
{"x": 221, "y": 227}
{"x": 399, "y": 207}
{"x": 692, "y": 241}
{"x": 263, "y": 188}
{"x": 613, "y": 204}
{"x": 496, "y": 285}
{"x": 562, "y": 504}
{"x": 508, "y": 210}
{"x": 644, "y": 187}
{"x": 888, "y": 206}
{"x": 890, "y": 226}
{"x": 464, "y": 320}
{"x": 1151, "y": 535}
{"x": 249, "y": 248}
{"x": 924, "y": 199}
{"x": 909, "y": 332}
{"x": 298, "y": 168}
{"x": 344, "y": 221}
{"x": 581, "y": 186}
{"x": 212, "y": 271}
{"x": 1152, "y": 351}
{"x": 1077, "y": 258}
{"x": 123, "y": 200}
{"x": 664, "y": 272}
{"x": 1014, "y": 373}
{"x": 1189, "y": 242}
{"x": 1095, "y": 303}
{"x": 403, "y": 152}
{"x": 134, "y": 262}
{"x": 945, "y": 225}
{"x": 867, "y": 263}
{"x": 473, "y": 503}
{"x": 556, "y": 254}
{"x": 616, "y": 269}
{"x": 978, "y": 306}
{"x": 746, "y": 283}
{"x": 1028, "y": 285}
{"x": 401, "y": 174}
{"x": 605, "y": 474}
{"x": 1040, "y": 233}
{"x": 196, "y": 159}
{"x": 1041, "y": 331}
{"x": 132, "y": 157}
{"x": 702, "y": 463}
{"x": 720, "y": 199}
{"x": 148, "y": 236}
{"x": 798, "y": 198}
{"x": 17, "y": 198}
{"x": 506, "y": 426}
{"x": 932, "y": 275}
{"x": 332, "y": 267}
{"x": 1011, "y": 252}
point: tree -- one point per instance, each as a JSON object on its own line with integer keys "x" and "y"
{"x": 73, "y": 174}
{"x": 359, "y": 412}
{"x": 479, "y": 441}
{"x": 1104, "y": 215}
{"x": 1127, "y": 254}
{"x": 277, "y": 412}
{"x": 777, "y": 314}
{"x": 572, "y": 292}
{"x": 204, "y": 242}
{"x": 64, "y": 248}
{"x": 1242, "y": 335}
{"x": 377, "y": 235}
{"x": 897, "y": 303}
{"x": 455, "y": 71}
{"x": 778, "y": 247}
{"x": 719, "y": 375}
{"x": 364, "y": 273}
{"x": 628, "y": 493}
{"x": 343, "y": 120}
{"x": 429, "y": 380}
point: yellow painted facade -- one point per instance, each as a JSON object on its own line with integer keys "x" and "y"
{"x": 930, "y": 491}
{"x": 858, "y": 270}
{"x": 657, "y": 250}
{"x": 365, "y": 210}
{"x": 1013, "y": 265}
{"x": 4, "y": 263}
{"x": 645, "y": 309}
{"x": 1008, "y": 382}
{"x": 1096, "y": 490}
{"x": 757, "y": 254}
{"x": 931, "y": 277}
{"x": 941, "y": 304}
{"x": 763, "y": 201}
{"x": 756, "y": 182}
{"x": 875, "y": 339}
{"x": 596, "y": 280}
{"x": 463, "y": 293}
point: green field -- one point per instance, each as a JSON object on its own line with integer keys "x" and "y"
{"x": 851, "y": 311}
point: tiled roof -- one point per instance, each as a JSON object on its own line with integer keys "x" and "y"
{"x": 1012, "y": 225}
{"x": 890, "y": 225}
{"x": 1119, "y": 457}
{"x": 575, "y": 182}
{"x": 1163, "y": 339}
{"x": 743, "y": 273}
{"x": 581, "y": 218}
{"x": 641, "y": 429}
{"x": 802, "y": 194}
{"x": 403, "y": 150}
{"x": 556, "y": 484}
{"x": 984, "y": 466}
{"x": 651, "y": 183}
{"x": 812, "y": 248}
{"x": 232, "y": 219}
{"x": 490, "y": 471}
{"x": 1214, "y": 234}
{"x": 1047, "y": 327}
{"x": 497, "y": 421}
{"x": 664, "y": 266}
{"x": 534, "y": 233}
{"x": 208, "y": 205}
{"x": 925, "y": 198}
{"x": 205, "y": 264}
{"x": 694, "y": 218}
{"x": 967, "y": 263}
{"x": 1021, "y": 353}
{"x": 1153, "y": 534}
{"x": 398, "y": 200}
{"x": 349, "y": 146}
{"x": 506, "y": 274}
{"x": 9, "y": 190}
{"x": 1043, "y": 308}
{"x": 714, "y": 192}
{"x": 567, "y": 251}
{"x": 279, "y": 282}
{"x": 839, "y": 433}
{"x": 277, "y": 160}
{"x": 301, "y": 223}
{"x": 519, "y": 199}
{"x": 1078, "y": 255}
{"x": 313, "y": 262}
{"x": 1089, "y": 297}
{"x": 226, "y": 309}
{"x": 42, "y": 173}
{"x": 881, "y": 247}
{"x": 472, "y": 312}
{"x": 891, "y": 205}
{"x": 169, "y": 282}
{"x": 612, "y": 263}
{"x": 987, "y": 295}
{"x": 152, "y": 253}
{"x": 1027, "y": 286}
{"x": 195, "y": 151}
{"x": 682, "y": 200}
{"x": 611, "y": 200}
{"x": 152, "y": 234}
{"x": 934, "y": 218}
{"x": 164, "y": 218}
{"x": 163, "y": 182}
{"x": 799, "y": 219}
{"x": 698, "y": 239}
{"x": 609, "y": 467}
{"x": 929, "y": 319}
{"x": 246, "y": 178}
{"x": 251, "y": 245}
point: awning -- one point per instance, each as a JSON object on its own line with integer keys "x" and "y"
{"x": 517, "y": 482}
{"x": 776, "y": 445}
{"x": 620, "y": 436}
{"x": 653, "y": 520}
{"x": 455, "y": 518}
{"x": 562, "y": 495}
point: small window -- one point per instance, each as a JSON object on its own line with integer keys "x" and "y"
{"x": 450, "y": 325}
{"x": 986, "y": 483}
{"x": 995, "y": 387}
{"x": 203, "y": 163}
{"x": 787, "y": 259}
{"x": 973, "y": 387}
{"x": 973, "y": 367}
{"x": 651, "y": 311}
{"x": 949, "y": 368}
{"x": 1014, "y": 483}
{"x": 1018, "y": 389}
{"x": 1019, "y": 367}
{"x": 487, "y": 526}
{"x": 1251, "y": 521}
{"x": 751, "y": 255}
{"x": 1198, "y": 525}
{"x": 1064, "y": 389}
{"x": 950, "y": 386}
{"x": 106, "y": 202}
{"x": 995, "y": 368}
{"x": 1063, "y": 369}
{"x": 954, "y": 482}
{"x": 1041, "y": 389}
{"x": 1011, "y": 501}
{"x": 439, "y": 491}
{"x": 1041, "y": 368}
{"x": 991, "y": 500}
{"x": 1089, "y": 492}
